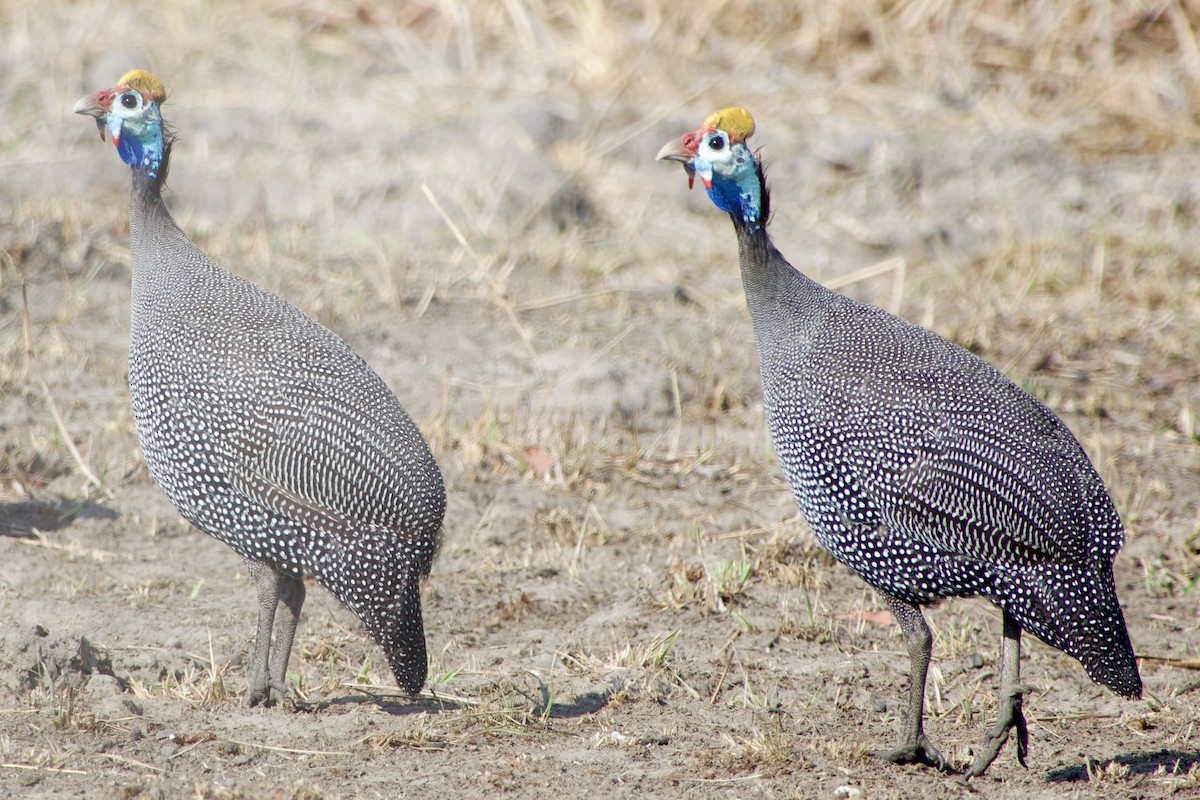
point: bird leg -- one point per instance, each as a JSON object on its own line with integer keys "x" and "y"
{"x": 915, "y": 748}
{"x": 291, "y": 598}
{"x": 268, "y": 666}
{"x": 1009, "y": 714}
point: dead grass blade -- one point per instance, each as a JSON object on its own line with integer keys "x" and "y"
{"x": 133, "y": 762}
{"x": 293, "y": 750}
{"x": 36, "y": 768}
{"x": 73, "y": 548}
{"x": 1186, "y": 37}
{"x": 896, "y": 265}
{"x": 720, "y": 684}
{"x": 1177, "y": 663}
{"x": 377, "y": 692}
{"x": 740, "y": 779}
{"x": 484, "y": 270}
{"x": 34, "y": 368}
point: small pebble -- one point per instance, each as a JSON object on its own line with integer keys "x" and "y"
{"x": 880, "y": 705}
{"x": 975, "y": 661}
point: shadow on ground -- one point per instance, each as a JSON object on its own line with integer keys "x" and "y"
{"x": 24, "y": 520}
{"x": 1171, "y": 762}
{"x": 396, "y": 704}
{"x": 399, "y": 705}
{"x": 584, "y": 705}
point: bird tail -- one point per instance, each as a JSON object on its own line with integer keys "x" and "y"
{"x": 372, "y": 576}
{"x": 1075, "y": 609}
{"x": 402, "y": 637}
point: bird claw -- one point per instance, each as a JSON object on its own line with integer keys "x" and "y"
{"x": 262, "y": 695}
{"x": 1022, "y": 742}
{"x": 920, "y": 751}
{"x": 1010, "y": 716}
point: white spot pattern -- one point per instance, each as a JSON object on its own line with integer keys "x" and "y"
{"x": 268, "y": 432}
{"x": 929, "y": 473}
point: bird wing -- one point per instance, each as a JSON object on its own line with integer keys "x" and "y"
{"x": 967, "y": 462}
{"x": 313, "y": 432}
{"x": 340, "y": 439}
{"x": 1015, "y": 492}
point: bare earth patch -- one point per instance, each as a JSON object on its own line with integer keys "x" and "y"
{"x": 626, "y": 604}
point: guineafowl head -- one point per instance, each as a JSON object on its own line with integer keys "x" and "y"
{"x": 717, "y": 152}
{"x": 131, "y": 112}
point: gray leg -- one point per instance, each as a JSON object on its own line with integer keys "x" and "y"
{"x": 274, "y": 588}
{"x": 915, "y": 748}
{"x": 1009, "y": 714}
{"x": 291, "y": 598}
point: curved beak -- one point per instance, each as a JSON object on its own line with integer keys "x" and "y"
{"x": 679, "y": 150}
{"x": 674, "y": 150}
{"x": 92, "y": 106}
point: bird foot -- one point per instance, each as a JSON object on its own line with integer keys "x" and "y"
{"x": 920, "y": 751}
{"x": 261, "y": 695}
{"x": 1010, "y": 716}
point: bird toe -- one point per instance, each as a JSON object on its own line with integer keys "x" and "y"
{"x": 920, "y": 751}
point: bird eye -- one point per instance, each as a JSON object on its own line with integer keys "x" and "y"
{"x": 717, "y": 142}
{"x": 129, "y": 100}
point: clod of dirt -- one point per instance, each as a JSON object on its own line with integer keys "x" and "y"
{"x": 41, "y": 658}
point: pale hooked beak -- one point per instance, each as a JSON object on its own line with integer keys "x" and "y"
{"x": 92, "y": 106}
{"x": 682, "y": 150}
{"x": 674, "y": 150}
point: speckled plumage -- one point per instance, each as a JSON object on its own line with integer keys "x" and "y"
{"x": 268, "y": 432}
{"x": 919, "y": 465}
{"x": 929, "y": 473}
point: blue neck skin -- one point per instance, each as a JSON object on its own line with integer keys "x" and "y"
{"x": 140, "y": 141}
{"x": 735, "y": 187}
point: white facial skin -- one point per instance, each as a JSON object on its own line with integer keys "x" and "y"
{"x": 127, "y": 107}
{"x": 715, "y": 154}
{"x": 737, "y": 190}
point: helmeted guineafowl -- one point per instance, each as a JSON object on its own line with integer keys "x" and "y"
{"x": 919, "y": 465}
{"x": 265, "y": 429}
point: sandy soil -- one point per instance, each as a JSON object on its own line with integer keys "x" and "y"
{"x": 626, "y": 604}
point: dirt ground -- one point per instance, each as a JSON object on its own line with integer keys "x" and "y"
{"x": 626, "y": 603}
